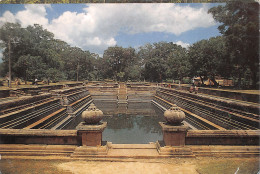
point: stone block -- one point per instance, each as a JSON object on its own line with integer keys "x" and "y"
{"x": 91, "y": 135}
{"x": 174, "y": 135}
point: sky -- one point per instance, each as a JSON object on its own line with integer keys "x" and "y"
{"x": 95, "y": 27}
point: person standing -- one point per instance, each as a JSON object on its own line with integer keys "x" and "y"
{"x": 7, "y": 79}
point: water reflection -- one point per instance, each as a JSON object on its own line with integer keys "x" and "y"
{"x": 138, "y": 123}
{"x": 133, "y": 129}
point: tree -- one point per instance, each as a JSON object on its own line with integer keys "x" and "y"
{"x": 27, "y": 45}
{"x": 178, "y": 63}
{"x": 208, "y": 58}
{"x": 32, "y": 67}
{"x": 240, "y": 28}
{"x": 154, "y": 58}
{"x": 163, "y": 60}
{"x": 10, "y": 35}
{"x": 118, "y": 62}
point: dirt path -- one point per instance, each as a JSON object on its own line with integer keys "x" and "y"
{"x": 84, "y": 167}
{"x": 203, "y": 165}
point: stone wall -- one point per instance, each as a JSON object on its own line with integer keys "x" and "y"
{"x": 222, "y": 137}
{"x": 4, "y": 93}
{"x": 223, "y": 93}
{"x": 28, "y": 90}
{"x": 36, "y": 136}
{"x": 71, "y": 137}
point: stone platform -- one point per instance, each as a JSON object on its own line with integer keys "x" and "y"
{"x": 123, "y": 151}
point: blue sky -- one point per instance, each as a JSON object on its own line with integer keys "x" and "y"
{"x": 95, "y": 27}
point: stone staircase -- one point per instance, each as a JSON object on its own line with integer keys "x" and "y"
{"x": 122, "y": 94}
{"x": 122, "y": 151}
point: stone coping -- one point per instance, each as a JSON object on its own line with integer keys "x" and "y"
{"x": 98, "y": 127}
{"x": 190, "y": 133}
{"x": 37, "y": 132}
{"x": 170, "y": 128}
{"x": 23, "y": 100}
{"x": 223, "y": 133}
{"x": 14, "y": 151}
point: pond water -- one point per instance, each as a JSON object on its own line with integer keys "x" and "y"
{"x": 135, "y": 123}
{"x": 138, "y": 123}
{"x": 132, "y": 129}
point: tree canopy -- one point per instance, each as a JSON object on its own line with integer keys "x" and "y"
{"x": 240, "y": 28}
{"x": 35, "y": 53}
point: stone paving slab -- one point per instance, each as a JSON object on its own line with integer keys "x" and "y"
{"x": 133, "y": 153}
{"x": 117, "y": 151}
{"x": 133, "y": 146}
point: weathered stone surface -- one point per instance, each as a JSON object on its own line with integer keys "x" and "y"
{"x": 169, "y": 128}
{"x": 220, "y": 137}
{"x": 86, "y": 127}
{"x": 92, "y": 115}
{"x": 174, "y": 115}
{"x": 174, "y": 135}
{"x": 91, "y": 135}
{"x": 37, "y": 132}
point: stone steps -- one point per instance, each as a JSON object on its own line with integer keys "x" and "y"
{"x": 36, "y": 150}
{"x": 132, "y": 151}
{"x": 137, "y": 151}
{"x": 122, "y": 94}
{"x": 86, "y": 151}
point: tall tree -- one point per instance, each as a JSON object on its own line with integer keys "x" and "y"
{"x": 240, "y": 27}
{"x": 11, "y": 36}
{"x": 208, "y": 58}
{"x": 178, "y": 63}
{"x": 118, "y": 62}
{"x": 154, "y": 58}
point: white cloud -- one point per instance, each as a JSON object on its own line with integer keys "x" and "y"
{"x": 185, "y": 45}
{"x": 96, "y": 28}
{"x": 33, "y": 14}
{"x": 7, "y": 17}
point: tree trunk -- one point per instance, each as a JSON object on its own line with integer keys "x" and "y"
{"x": 214, "y": 81}
{"x": 239, "y": 81}
{"x": 202, "y": 81}
{"x": 25, "y": 78}
{"x": 160, "y": 77}
{"x": 78, "y": 72}
{"x": 254, "y": 80}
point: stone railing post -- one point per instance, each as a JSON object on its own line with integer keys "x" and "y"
{"x": 174, "y": 131}
{"x": 91, "y": 129}
{"x": 91, "y": 135}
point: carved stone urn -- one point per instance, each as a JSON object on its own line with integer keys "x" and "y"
{"x": 92, "y": 115}
{"x": 174, "y": 116}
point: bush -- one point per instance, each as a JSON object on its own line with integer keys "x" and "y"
{"x": 1, "y": 83}
{"x": 186, "y": 80}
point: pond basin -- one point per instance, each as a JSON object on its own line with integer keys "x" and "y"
{"x": 132, "y": 123}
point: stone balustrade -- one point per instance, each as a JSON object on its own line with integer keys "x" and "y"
{"x": 72, "y": 137}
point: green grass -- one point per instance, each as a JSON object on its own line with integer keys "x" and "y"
{"x": 228, "y": 166}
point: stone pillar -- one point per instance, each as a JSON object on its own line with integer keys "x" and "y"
{"x": 174, "y": 135}
{"x": 174, "y": 131}
{"x": 91, "y": 135}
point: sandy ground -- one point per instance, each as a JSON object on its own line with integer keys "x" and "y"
{"x": 202, "y": 165}
{"x": 83, "y": 167}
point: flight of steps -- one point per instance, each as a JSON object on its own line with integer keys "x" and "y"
{"x": 122, "y": 94}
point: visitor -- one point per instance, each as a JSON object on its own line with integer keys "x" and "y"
{"x": 7, "y": 78}
{"x": 196, "y": 89}
{"x": 17, "y": 82}
{"x": 191, "y": 88}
